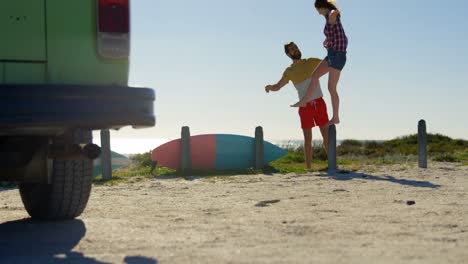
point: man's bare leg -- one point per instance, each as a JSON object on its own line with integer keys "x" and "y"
{"x": 308, "y": 147}
{"x": 324, "y": 131}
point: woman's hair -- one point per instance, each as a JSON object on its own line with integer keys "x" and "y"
{"x": 325, "y": 4}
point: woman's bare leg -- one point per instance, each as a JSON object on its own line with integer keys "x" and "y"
{"x": 320, "y": 71}
{"x": 333, "y": 78}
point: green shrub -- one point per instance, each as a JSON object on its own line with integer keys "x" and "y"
{"x": 319, "y": 153}
{"x": 299, "y": 150}
{"x": 142, "y": 160}
{"x": 351, "y": 143}
{"x": 293, "y": 158}
{"x": 349, "y": 150}
{"x": 349, "y": 147}
{"x": 461, "y": 143}
{"x": 296, "y": 155}
{"x": 463, "y": 155}
{"x": 407, "y": 145}
{"x": 446, "y": 158}
{"x": 373, "y": 145}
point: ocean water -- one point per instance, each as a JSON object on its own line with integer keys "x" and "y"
{"x": 128, "y": 146}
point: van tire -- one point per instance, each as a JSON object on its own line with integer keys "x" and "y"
{"x": 67, "y": 196}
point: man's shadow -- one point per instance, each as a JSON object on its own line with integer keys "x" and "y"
{"x": 350, "y": 175}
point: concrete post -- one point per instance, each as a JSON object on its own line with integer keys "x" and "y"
{"x": 106, "y": 161}
{"x": 185, "y": 160}
{"x": 332, "y": 149}
{"x": 422, "y": 144}
{"x": 259, "y": 148}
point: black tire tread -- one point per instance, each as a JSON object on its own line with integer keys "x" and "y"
{"x": 68, "y": 195}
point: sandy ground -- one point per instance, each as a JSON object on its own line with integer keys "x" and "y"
{"x": 361, "y": 217}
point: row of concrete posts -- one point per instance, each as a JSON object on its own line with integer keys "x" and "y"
{"x": 422, "y": 147}
{"x": 259, "y": 150}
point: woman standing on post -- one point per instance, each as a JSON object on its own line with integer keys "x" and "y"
{"x": 336, "y": 44}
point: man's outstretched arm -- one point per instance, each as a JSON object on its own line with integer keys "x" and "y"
{"x": 276, "y": 87}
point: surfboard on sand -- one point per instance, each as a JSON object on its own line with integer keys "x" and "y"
{"x": 117, "y": 161}
{"x": 216, "y": 151}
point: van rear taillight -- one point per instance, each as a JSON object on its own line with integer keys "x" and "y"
{"x": 113, "y": 28}
{"x": 114, "y": 16}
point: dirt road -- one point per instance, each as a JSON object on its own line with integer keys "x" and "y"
{"x": 363, "y": 217}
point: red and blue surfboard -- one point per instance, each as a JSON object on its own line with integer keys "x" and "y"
{"x": 216, "y": 151}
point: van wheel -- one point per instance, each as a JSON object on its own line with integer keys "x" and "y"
{"x": 66, "y": 197}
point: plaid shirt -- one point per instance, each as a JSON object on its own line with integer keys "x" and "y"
{"x": 336, "y": 36}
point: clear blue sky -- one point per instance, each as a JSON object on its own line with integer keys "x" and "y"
{"x": 210, "y": 60}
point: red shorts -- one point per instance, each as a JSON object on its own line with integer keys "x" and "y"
{"x": 314, "y": 114}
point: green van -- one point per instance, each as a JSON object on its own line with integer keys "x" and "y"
{"x": 63, "y": 73}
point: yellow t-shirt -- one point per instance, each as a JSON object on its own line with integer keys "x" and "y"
{"x": 300, "y": 74}
{"x": 301, "y": 71}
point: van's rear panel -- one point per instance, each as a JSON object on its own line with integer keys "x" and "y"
{"x": 54, "y": 42}
{"x": 22, "y": 23}
{"x": 23, "y": 53}
{"x": 25, "y": 73}
{"x": 72, "y": 55}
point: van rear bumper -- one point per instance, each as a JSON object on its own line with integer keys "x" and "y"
{"x": 51, "y": 109}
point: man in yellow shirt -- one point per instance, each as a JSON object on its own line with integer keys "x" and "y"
{"x": 315, "y": 112}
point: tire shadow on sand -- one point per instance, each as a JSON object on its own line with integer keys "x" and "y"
{"x": 29, "y": 241}
{"x": 48, "y": 242}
